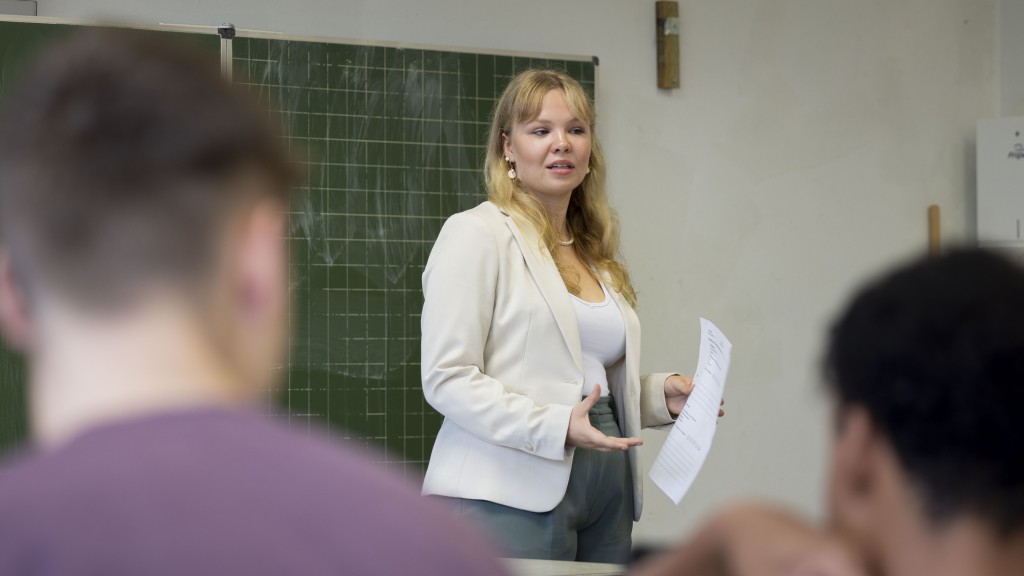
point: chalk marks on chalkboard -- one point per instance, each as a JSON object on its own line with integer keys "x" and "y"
{"x": 393, "y": 141}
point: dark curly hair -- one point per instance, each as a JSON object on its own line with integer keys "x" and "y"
{"x": 935, "y": 353}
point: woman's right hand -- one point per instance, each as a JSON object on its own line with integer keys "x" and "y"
{"x": 582, "y": 433}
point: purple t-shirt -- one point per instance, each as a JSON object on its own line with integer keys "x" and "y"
{"x": 220, "y": 492}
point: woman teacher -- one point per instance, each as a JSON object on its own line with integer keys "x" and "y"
{"x": 531, "y": 345}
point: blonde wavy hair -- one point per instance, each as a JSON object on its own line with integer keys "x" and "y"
{"x": 590, "y": 218}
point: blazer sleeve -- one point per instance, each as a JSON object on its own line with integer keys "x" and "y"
{"x": 653, "y": 408}
{"x": 459, "y": 284}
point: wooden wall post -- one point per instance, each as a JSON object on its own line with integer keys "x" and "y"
{"x": 668, "y": 43}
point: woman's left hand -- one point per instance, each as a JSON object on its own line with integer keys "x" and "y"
{"x": 677, "y": 390}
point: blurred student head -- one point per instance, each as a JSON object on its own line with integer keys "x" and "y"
{"x": 927, "y": 367}
{"x": 134, "y": 180}
{"x": 143, "y": 270}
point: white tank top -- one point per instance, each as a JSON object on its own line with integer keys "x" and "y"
{"x": 603, "y": 339}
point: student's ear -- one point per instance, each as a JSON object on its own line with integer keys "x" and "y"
{"x": 855, "y": 475}
{"x": 15, "y": 320}
{"x": 261, "y": 267}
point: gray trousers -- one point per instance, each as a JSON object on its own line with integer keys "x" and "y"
{"x": 592, "y": 523}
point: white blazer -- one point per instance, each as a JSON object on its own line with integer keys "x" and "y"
{"x": 501, "y": 360}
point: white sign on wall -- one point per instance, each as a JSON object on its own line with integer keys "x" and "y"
{"x": 1001, "y": 181}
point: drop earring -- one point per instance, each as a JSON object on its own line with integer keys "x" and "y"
{"x": 511, "y": 169}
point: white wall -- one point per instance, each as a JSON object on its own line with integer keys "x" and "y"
{"x": 1011, "y": 57}
{"x": 801, "y": 153}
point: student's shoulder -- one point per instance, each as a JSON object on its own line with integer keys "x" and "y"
{"x": 311, "y": 450}
{"x": 312, "y": 480}
{"x": 15, "y": 473}
{"x": 369, "y": 485}
{"x": 29, "y": 480}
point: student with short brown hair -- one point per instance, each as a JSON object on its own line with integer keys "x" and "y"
{"x": 143, "y": 273}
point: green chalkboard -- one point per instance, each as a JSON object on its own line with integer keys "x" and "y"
{"x": 392, "y": 142}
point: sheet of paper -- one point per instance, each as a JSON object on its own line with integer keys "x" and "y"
{"x": 690, "y": 438}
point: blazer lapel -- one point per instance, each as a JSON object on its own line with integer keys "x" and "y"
{"x": 543, "y": 269}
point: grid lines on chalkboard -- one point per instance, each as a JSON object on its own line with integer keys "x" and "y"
{"x": 391, "y": 142}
